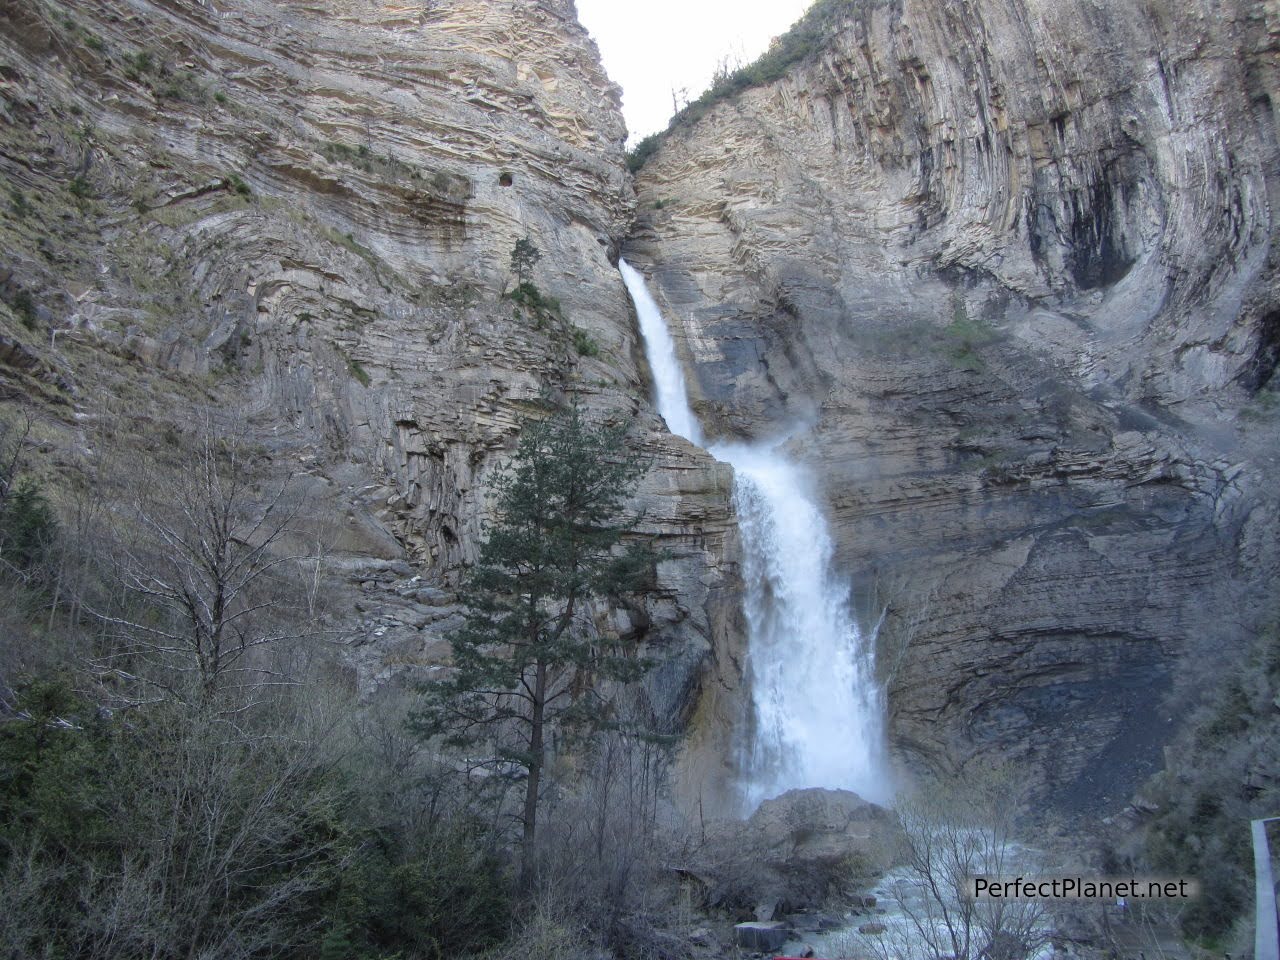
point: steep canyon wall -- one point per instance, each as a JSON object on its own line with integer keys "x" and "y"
{"x": 297, "y": 218}
{"x": 1013, "y": 263}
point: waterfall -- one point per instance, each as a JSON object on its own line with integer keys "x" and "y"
{"x": 817, "y": 713}
{"x": 671, "y": 397}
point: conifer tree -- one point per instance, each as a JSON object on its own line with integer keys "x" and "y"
{"x": 527, "y": 662}
{"x": 524, "y": 255}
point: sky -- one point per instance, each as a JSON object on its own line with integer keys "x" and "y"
{"x": 677, "y": 45}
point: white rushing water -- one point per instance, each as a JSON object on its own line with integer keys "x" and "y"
{"x": 668, "y": 379}
{"x": 817, "y": 714}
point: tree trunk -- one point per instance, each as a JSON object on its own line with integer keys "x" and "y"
{"x": 535, "y": 774}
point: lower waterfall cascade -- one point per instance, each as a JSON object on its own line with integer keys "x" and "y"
{"x": 817, "y": 713}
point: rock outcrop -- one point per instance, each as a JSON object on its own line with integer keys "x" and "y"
{"x": 1015, "y": 264}
{"x": 796, "y": 852}
{"x": 299, "y": 216}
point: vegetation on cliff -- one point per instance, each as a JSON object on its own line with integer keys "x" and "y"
{"x": 184, "y": 773}
{"x": 529, "y": 666}
{"x": 804, "y": 40}
{"x": 1221, "y": 774}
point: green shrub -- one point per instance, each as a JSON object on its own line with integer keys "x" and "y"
{"x": 638, "y": 155}
{"x": 25, "y": 307}
{"x": 18, "y": 203}
{"x": 183, "y": 85}
{"x": 51, "y": 783}
{"x": 197, "y": 837}
{"x": 138, "y": 65}
{"x": 584, "y": 343}
{"x": 527, "y": 294}
{"x": 362, "y": 158}
{"x": 965, "y": 337}
{"x": 445, "y": 897}
{"x": 359, "y": 372}
{"x": 545, "y": 309}
{"x": 1211, "y": 790}
{"x": 336, "y": 152}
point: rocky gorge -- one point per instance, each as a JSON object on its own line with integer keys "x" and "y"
{"x": 1013, "y": 266}
{"x": 1007, "y": 267}
{"x": 302, "y": 215}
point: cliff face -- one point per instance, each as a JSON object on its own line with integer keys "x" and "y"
{"x": 1013, "y": 261}
{"x": 1015, "y": 264}
{"x": 299, "y": 215}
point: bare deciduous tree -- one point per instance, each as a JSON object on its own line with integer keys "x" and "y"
{"x": 601, "y": 856}
{"x": 207, "y": 584}
{"x": 951, "y": 833}
{"x": 208, "y": 844}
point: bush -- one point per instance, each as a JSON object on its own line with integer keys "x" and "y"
{"x": 805, "y": 39}
{"x": 27, "y": 525}
{"x": 163, "y": 834}
{"x": 966, "y": 337}
{"x": 18, "y": 203}
{"x": 584, "y": 343}
{"x": 181, "y": 85}
{"x": 55, "y": 783}
{"x": 139, "y": 63}
{"x": 1212, "y": 788}
{"x": 547, "y": 933}
{"x": 25, "y": 307}
{"x": 445, "y": 898}
{"x": 357, "y": 370}
{"x": 239, "y": 830}
{"x": 545, "y": 309}
{"x": 646, "y": 148}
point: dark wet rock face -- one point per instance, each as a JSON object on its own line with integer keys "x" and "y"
{"x": 1014, "y": 263}
{"x": 1011, "y": 263}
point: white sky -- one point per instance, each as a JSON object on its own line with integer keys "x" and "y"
{"x": 653, "y": 48}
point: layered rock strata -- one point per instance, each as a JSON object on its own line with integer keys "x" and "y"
{"x": 300, "y": 216}
{"x": 1014, "y": 265}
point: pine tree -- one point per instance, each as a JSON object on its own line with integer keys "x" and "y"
{"x": 27, "y": 526}
{"x": 524, "y": 255}
{"x": 528, "y": 663}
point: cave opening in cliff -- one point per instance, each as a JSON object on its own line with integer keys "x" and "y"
{"x": 1259, "y": 374}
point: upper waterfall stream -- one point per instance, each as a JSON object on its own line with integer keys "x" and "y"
{"x": 817, "y": 713}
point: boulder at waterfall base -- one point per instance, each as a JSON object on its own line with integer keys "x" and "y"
{"x": 796, "y": 851}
